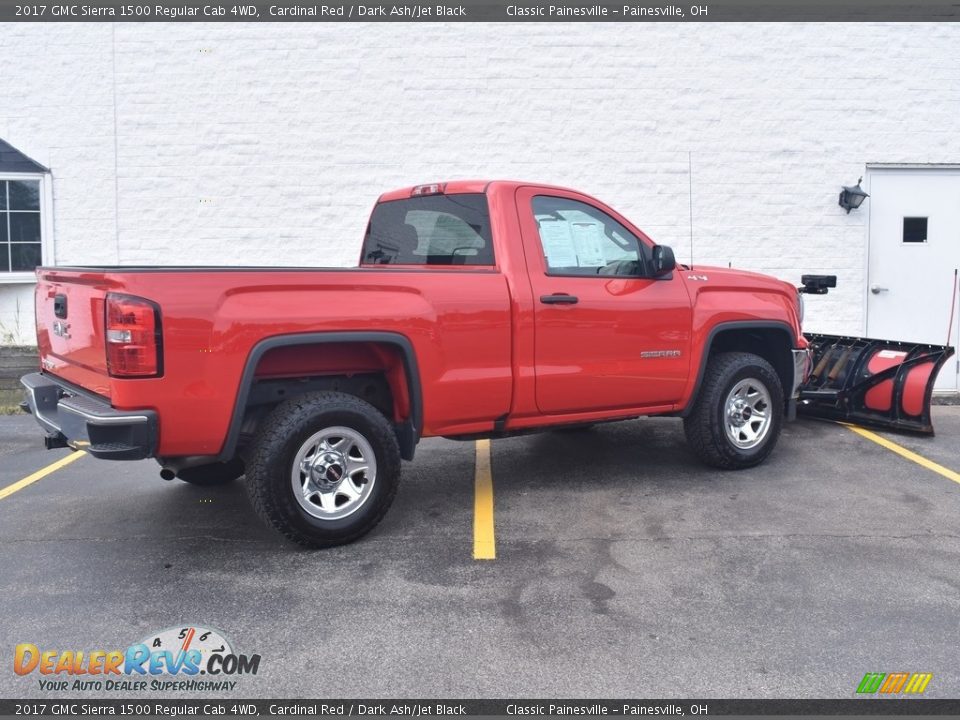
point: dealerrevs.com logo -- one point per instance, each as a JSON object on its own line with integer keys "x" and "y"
{"x": 172, "y": 659}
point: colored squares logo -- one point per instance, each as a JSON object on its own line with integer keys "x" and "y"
{"x": 894, "y": 683}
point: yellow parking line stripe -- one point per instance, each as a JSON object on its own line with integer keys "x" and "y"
{"x": 40, "y": 474}
{"x": 484, "y": 543}
{"x": 908, "y": 454}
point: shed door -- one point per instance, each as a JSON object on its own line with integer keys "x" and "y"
{"x": 914, "y": 248}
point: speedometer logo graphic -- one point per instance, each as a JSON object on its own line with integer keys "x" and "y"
{"x": 180, "y": 640}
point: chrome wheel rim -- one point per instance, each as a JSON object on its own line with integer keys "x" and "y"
{"x": 333, "y": 473}
{"x": 747, "y": 414}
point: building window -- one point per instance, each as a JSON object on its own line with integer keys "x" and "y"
{"x": 26, "y": 220}
{"x": 21, "y": 247}
{"x": 914, "y": 229}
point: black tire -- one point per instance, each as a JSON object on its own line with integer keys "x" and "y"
{"x": 705, "y": 427}
{"x": 284, "y": 433}
{"x": 213, "y": 474}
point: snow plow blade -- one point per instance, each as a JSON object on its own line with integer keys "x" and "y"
{"x": 882, "y": 383}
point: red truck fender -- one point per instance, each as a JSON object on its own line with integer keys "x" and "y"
{"x": 408, "y": 431}
{"x": 779, "y": 355}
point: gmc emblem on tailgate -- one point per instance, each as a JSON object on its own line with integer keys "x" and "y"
{"x": 61, "y": 329}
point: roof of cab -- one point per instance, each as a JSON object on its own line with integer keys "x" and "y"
{"x": 459, "y": 187}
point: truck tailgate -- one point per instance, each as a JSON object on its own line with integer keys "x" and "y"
{"x": 70, "y": 327}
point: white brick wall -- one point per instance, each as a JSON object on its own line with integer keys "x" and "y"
{"x": 267, "y": 144}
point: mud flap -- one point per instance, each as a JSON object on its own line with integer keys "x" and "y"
{"x": 882, "y": 383}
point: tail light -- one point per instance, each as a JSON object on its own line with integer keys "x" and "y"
{"x": 134, "y": 339}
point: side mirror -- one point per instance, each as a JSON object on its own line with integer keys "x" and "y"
{"x": 663, "y": 260}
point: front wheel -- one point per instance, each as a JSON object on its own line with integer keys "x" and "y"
{"x": 325, "y": 469}
{"x": 738, "y": 414}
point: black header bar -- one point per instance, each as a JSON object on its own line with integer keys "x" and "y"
{"x": 378, "y": 708}
{"x": 484, "y": 11}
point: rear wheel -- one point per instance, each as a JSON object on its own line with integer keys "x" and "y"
{"x": 324, "y": 469}
{"x": 737, "y": 417}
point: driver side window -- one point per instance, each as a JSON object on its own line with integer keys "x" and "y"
{"x": 578, "y": 239}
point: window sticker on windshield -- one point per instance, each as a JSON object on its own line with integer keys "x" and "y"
{"x": 586, "y": 239}
{"x": 558, "y": 244}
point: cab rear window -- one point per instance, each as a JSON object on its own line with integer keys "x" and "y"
{"x": 430, "y": 230}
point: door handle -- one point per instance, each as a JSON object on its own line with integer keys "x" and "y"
{"x": 876, "y": 289}
{"x": 559, "y": 299}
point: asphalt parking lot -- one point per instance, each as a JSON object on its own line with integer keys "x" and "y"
{"x": 623, "y": 568}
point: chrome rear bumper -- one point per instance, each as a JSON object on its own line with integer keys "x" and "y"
{"x": 79, "y": 419}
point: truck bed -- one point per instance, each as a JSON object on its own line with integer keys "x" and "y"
{"x": 457, "y": 319}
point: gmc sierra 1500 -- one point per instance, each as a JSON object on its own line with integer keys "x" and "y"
{"x": 479, "y": 309}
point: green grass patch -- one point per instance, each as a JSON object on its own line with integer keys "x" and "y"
{"x": 10, "y": 398}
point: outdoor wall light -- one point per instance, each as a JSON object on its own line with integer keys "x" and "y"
{"x": 852, "y": 197}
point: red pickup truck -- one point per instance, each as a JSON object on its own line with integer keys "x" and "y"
{"x": 479, "y": 309}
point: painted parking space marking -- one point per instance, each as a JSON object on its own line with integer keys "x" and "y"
{"x": 904, "y": 453}
{"x": 40, "y": 474}
{"x": 484, "y": 541}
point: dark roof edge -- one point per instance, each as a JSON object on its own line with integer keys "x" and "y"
{"x": 14, "y": 161}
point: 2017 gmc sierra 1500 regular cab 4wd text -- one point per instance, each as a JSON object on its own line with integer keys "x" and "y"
{"x": 479, "y": 309}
